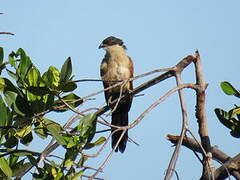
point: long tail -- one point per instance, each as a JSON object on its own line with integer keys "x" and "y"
{"x": 119, "y": 119}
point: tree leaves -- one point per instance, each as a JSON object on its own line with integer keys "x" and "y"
{"x": 230, "y": 119}
{"x": 87, "y": 127}
{"x": 229, "y": 89}
{"x": 59, "y": 138}
{"x": 5, "y": 167}
{"x": 27, "y": 95}
{"x": 71, "y": 99}
{"x": 4, "y": 113}
{"x": 66, "y": 70}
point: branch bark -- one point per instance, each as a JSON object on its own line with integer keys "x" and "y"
{"x": 230, "y": 164}
{"x": 202, "y": 119}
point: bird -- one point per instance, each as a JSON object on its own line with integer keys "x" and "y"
{"x": 117, "y": 66}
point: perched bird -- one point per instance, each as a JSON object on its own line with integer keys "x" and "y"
{"x": 117, "y": 66}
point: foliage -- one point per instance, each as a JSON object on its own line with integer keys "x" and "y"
{"x": 231, "y": 118}
{"x": 26, "y": 96}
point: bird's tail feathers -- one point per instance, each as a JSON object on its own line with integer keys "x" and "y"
{"x": 119, "y": 119}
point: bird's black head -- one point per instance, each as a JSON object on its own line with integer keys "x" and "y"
{"x": 110, "y": 41}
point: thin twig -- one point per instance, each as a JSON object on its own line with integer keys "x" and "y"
{"x": 109, "y": 155}
{"x": 229, "y": 163}
{"x": 173, "y": 161}
{"x": 9, "y": 33}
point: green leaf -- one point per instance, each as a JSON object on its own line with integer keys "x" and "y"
{"x": 5, "y": 167}
{"x": 233, "y": 112}
{"x": 23, "y": 131}
{"x": 236, "y": 132}
{"x": 1, "y": 55}
{"x": 49, "y": 100}
{"x": 39, "y": 91}
{"x": 227, "y": 120}
{"x": 223, "y": 117}
{"x": 13, "y": 159}
{"x": 33, "y": 77}
{"x": 10, "y": 98}
{"x": 71, "y": 141}
{"x": 4, "y": 113}
{"x": 11, "y": 60}
{"x": 71, "y": 99}
{"x": 78, "y": 175}
{"x": 229, "y": 89}
{"x": 24, "y": 65}
{"x": 52, "y": 78}
{"x": 37, "y": 106}
{"x": 47, "y": 122}
{"x": 100, "y": 141}
{"x": 22, "y": 153}
{"x": 27, "y": 139}
{"x": 40, "y": 130}
{"x": 23, "y": 106}
{"x": 6, "y": 85}
{"x": 69, "y": 86}
{"x": 87, "y": 127}
{"x": 66, "y": 70}
{"x": 70, "y": 157}
{"x": 58, "y": 176}
{"x": 11, "y": 142}
{"x": 55, "y": 132}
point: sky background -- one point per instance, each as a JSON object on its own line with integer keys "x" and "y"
{"x": 158, "y": 34}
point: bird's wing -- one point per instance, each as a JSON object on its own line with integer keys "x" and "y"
{"x": 103, "y": 70}
{"x": 131, "y": 72}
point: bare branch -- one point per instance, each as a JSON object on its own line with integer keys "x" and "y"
{"x": 9, "y": 33}
{"x": 173, "y": 161}
{"x": 109, "y": 155}
{"x": 232, "y": 164}
{"x": 208, "y": 168}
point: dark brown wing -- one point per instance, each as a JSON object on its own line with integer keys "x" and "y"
{"x": 131, "y": 72}
{"x": 103, "y": 70}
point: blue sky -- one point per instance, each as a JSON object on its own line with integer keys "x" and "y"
{"x": 158, "y": 34}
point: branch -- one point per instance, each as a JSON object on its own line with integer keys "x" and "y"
{"x": 164, "y": 97}
{"x": 183, "y": 63}
{"x": 231, "y": 164}
{"x": 9, "y": 33}
{"x": 173, "y": 161}
{"x": 202, "y": 119}
{"x": 18, "y": 151}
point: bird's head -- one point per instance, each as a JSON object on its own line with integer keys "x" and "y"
{"x": 112, "y": 41}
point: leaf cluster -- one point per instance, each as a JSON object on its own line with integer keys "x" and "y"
{"x": 26, "y": 96}
{"x": 231, "y": 118}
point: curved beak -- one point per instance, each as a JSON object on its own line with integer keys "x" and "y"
{"x": 102, "y": 46}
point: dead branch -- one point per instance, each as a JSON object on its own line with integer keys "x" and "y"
{"x": 202, "y": 119}
{"x": 173, "y": 161}
{"x": 232, "y": 164}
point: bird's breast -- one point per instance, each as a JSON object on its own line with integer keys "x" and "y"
{"x": 117, "y": 69}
